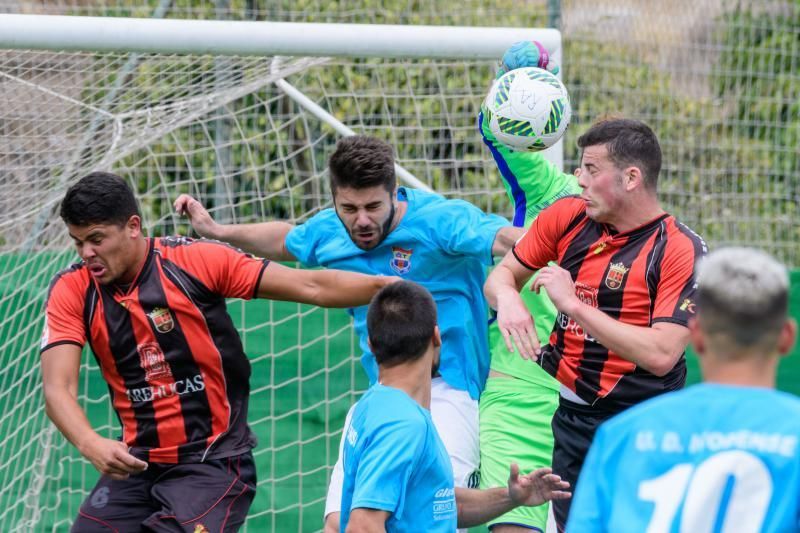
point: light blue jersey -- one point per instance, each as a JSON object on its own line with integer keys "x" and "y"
{"x": 445, "y": 246}
{"x": 395, "y": 461}
{"x": 708, "y": 458}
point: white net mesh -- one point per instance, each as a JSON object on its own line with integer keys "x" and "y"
{"x": 219, "y": 129}
{"x": 716, "y": 79}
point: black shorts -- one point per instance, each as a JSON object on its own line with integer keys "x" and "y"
{"x": 197, "y": 497}
{"x": 574, "y": 426}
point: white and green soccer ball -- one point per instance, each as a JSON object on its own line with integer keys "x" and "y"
{"x": 528, "y": 109}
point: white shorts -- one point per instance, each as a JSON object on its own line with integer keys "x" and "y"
{"x": 455, "y": 416}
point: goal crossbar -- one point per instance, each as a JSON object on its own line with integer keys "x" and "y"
{"x": 244, "y": 38}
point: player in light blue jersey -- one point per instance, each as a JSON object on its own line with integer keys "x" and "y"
{"x": 380, "y": 228}
{"x": 720, "y": 456}
{"x": 397, "y": 474}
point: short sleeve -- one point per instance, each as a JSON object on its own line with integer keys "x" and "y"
{"x": 387, "y": 460}
{"x": 64, "y": 313}
{"x": 466, "y": 230}
{"x": 677, "y": 285}
{"x": 539, "y": 245}
{"x": 590, "y": 497}
{"x": 302, "y": 240}
{"x": 225, "y": 270}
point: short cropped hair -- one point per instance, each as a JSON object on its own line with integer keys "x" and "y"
{"x": 629, "y": 143}
{"x": 400, "y": 323}
{"x": 360, "y": 162}
{"x": 742, "y": 294}
{"x": 99, "y": 198}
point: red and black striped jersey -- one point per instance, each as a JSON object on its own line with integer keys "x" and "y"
{"x": 177, "y": 374}
{"x": 639, "y": 277}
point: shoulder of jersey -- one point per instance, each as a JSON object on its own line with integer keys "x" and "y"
{"x": 180, "y": 242}
{"x": 76, "y": 271}
{"x": 571, "y": 202}
{"x": 680, "y": 228}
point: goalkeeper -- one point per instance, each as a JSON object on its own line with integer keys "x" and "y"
{"x": 520, "y": 398}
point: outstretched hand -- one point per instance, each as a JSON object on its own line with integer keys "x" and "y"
{"x": 198, "y": 216}
{"x": 537, "y": 487}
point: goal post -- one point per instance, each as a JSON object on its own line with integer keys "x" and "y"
{"x": 243, "y": 115}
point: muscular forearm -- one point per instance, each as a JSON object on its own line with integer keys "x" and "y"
{"x": 63, "y": 409}
{"x": 652, "y": 350}
{"x": 500, "y": 285}
{"x": 477, "y": 507}
{"x": 265, "y": 239}
{"x": 336, "y": 288}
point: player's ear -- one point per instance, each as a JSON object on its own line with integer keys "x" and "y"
{"x": 633, "y": 178}
{"x": 134, "y": 226}
{"x": 437, "y": 337}
{"x": 696, "y": 336}
{"x": 787, "y": 336}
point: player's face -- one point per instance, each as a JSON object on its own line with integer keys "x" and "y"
{"x": 109, "y": 250}
{"x": 366, "y": 213}
{"x": 602, "y": 184}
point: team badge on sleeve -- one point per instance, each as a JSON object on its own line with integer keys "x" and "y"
{"x": 401, "y": 260}
{"x": 162, "y": 319}
{"x": 616, "y": 273}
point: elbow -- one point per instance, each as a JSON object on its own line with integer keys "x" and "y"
{"x": 663, "y": 364}
{"x": 51, "y": 399}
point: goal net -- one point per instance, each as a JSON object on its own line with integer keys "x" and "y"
{"x": 222, "y": 128}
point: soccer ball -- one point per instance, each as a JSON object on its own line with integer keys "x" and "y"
{"x": 528, "y": 109}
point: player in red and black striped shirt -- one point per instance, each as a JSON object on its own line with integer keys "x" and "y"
{"x": 620, "y": 271}
{"x": 153, "y": 312}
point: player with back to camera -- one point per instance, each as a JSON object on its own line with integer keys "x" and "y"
{"x": 153, "y": 312}
{"x": 620, "y": 272}
{"x": 377, "y": 227}
{"x": 517, "y": 406}
{"x": 397, "y": 475}
{"x": 719, "y": 456}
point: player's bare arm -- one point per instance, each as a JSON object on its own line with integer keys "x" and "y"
{"x": 265, "y": 239}
{"x": 60, "y": 370}
{"x": 477, "y": 507}
{"x": 505, "y": 239}
{"x": 656, "y": 348}
{"x": 325, "y": 288}
{"x": 364, "y": 520}
{"x": 513, "y": 316}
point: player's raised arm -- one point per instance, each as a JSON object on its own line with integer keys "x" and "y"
{"x": 265, "y": 239}
{"x": 325, "y": 288}
{"x": 513, "y": 317}
{"x": 60, "y": 370}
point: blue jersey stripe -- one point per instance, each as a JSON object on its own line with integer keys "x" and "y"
{"x": 520, "y": 201}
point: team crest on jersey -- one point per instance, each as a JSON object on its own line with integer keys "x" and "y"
{"x": 401, "y": 260}
{"x": 153, "y": 362}
{"x": 616, "y": 273}
{"x": 200, "y": 528}
{"x": 162, "y": 319}
{"x": 586, "y": 294}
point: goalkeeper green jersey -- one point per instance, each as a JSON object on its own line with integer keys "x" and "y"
{"x": 532, "y": 183}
